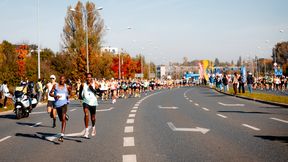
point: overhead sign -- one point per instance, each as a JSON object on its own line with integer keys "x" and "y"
{"x": 278, "y": 72}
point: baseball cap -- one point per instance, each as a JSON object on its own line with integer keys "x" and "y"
{"x": 52, "y": 77}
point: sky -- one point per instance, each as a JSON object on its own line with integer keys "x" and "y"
{"x": 162, "y": 30}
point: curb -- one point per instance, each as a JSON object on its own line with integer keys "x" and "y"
{"x": 254, "y": 99}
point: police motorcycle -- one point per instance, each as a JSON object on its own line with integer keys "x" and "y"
{"x": 22, "y": 98}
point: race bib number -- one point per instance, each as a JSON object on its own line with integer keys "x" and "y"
{"x": 62, "y": 96}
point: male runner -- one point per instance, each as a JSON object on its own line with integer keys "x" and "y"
{"x": 89, "y": 99}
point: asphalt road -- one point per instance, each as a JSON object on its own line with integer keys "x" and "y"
{"x": 183, "y": 124}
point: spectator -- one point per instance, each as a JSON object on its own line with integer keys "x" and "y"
{"x": 5, "y": 93}
{"x": 235, "y": 82}
{"x": 225, "y": 82}
{"x": 250, "y": 82}
{"x": 39, "y": 90}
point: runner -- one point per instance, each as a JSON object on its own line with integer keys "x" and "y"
{"x": 50, "y": 105}
{"x": 61, "y": 93}
{"x": 113, "y": 88}
{"x": 88, "y": 96}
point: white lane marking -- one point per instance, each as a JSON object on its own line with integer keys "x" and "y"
{"x": 129, "y": 158}
{"x": 72, "y": 110}
{"x": 197, "y": 129}
{"x": 190, "y": 100}
{"x": 196, "y": 104}
{"x": 5, "y": 138}
{"x": 40, "y": 112}
{"x": 204, "y": 108}
{"x": 101, "y": 110}
{"x": 162, "y": 107}
{"x": 79, "y": 134}
{"x": 220, "y": 103}
{"x": 135, "y": 107}
{"x": 128, "y": 141}
{"x": 136, "y": 104}
{"x": 133, "y": 111}
{"x": 130, "y": 121}
{"x": 132, "y": 115}
{"x": 37, "y": 124}
{"x": 223, "y": 116}
{"x": 251, "y": 127}
{"x": 128, "y": 129}
{"x": 281, "y": 120}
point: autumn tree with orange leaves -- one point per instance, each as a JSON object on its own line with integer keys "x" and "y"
{"x": 22, "y": 51}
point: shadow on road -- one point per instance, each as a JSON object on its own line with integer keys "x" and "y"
{"x": 8, "y": 116}
{"x": 245, "y": 112}
{"x": 36, "y": 136}
{"x": 31, "y": 124}
{"x": 283, "y": 139}
{"x": 46, "y": 137}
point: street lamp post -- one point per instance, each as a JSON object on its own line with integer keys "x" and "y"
{"x": 38, "y": 39}
{"x": 86, "y": 29}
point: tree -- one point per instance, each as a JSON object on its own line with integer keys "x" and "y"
{"x": 74, "y": 36}
{"x": 239, "y": 62}
{"x": 216, "y": 62}
{"x": 281, "y": 53}
{"x": 8, "y": 62}
{"x": 185, "y": 61}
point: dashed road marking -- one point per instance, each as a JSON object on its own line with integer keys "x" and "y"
{"x": 40, "y": 112}
{"x": 72, "y": 110}
{"x": 129, "y": 158}
{"x": 111, "y": 108}
{"x": 163, "y": 107}
{"x": 128, "y": 129}
{"x": 204, "y": 108}
{"x": 37, "y": 124}
{"x": 190, "y": 100}
{"x": 130, "y": 121}
{"x": 5, "y": 138}
{"x": 136, "y": 104}
{"x": 135, "y": 107}
{"x": 251, "y": 127}
{"x": 196, "y": 104}
{"x": 133, "y": 111}
{"x": 223, "y": 116}
{"x": 281, "y": 120}
{"x": 220, "y": 103}
{"x": 128, "y": 141}
{"x": 132, "y": 115}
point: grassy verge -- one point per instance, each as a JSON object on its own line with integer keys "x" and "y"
{"x": 263, "y": 96}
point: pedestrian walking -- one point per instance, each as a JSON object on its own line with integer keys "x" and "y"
{"x": 61, "y": 92}
{"x": 89, "y": 102}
